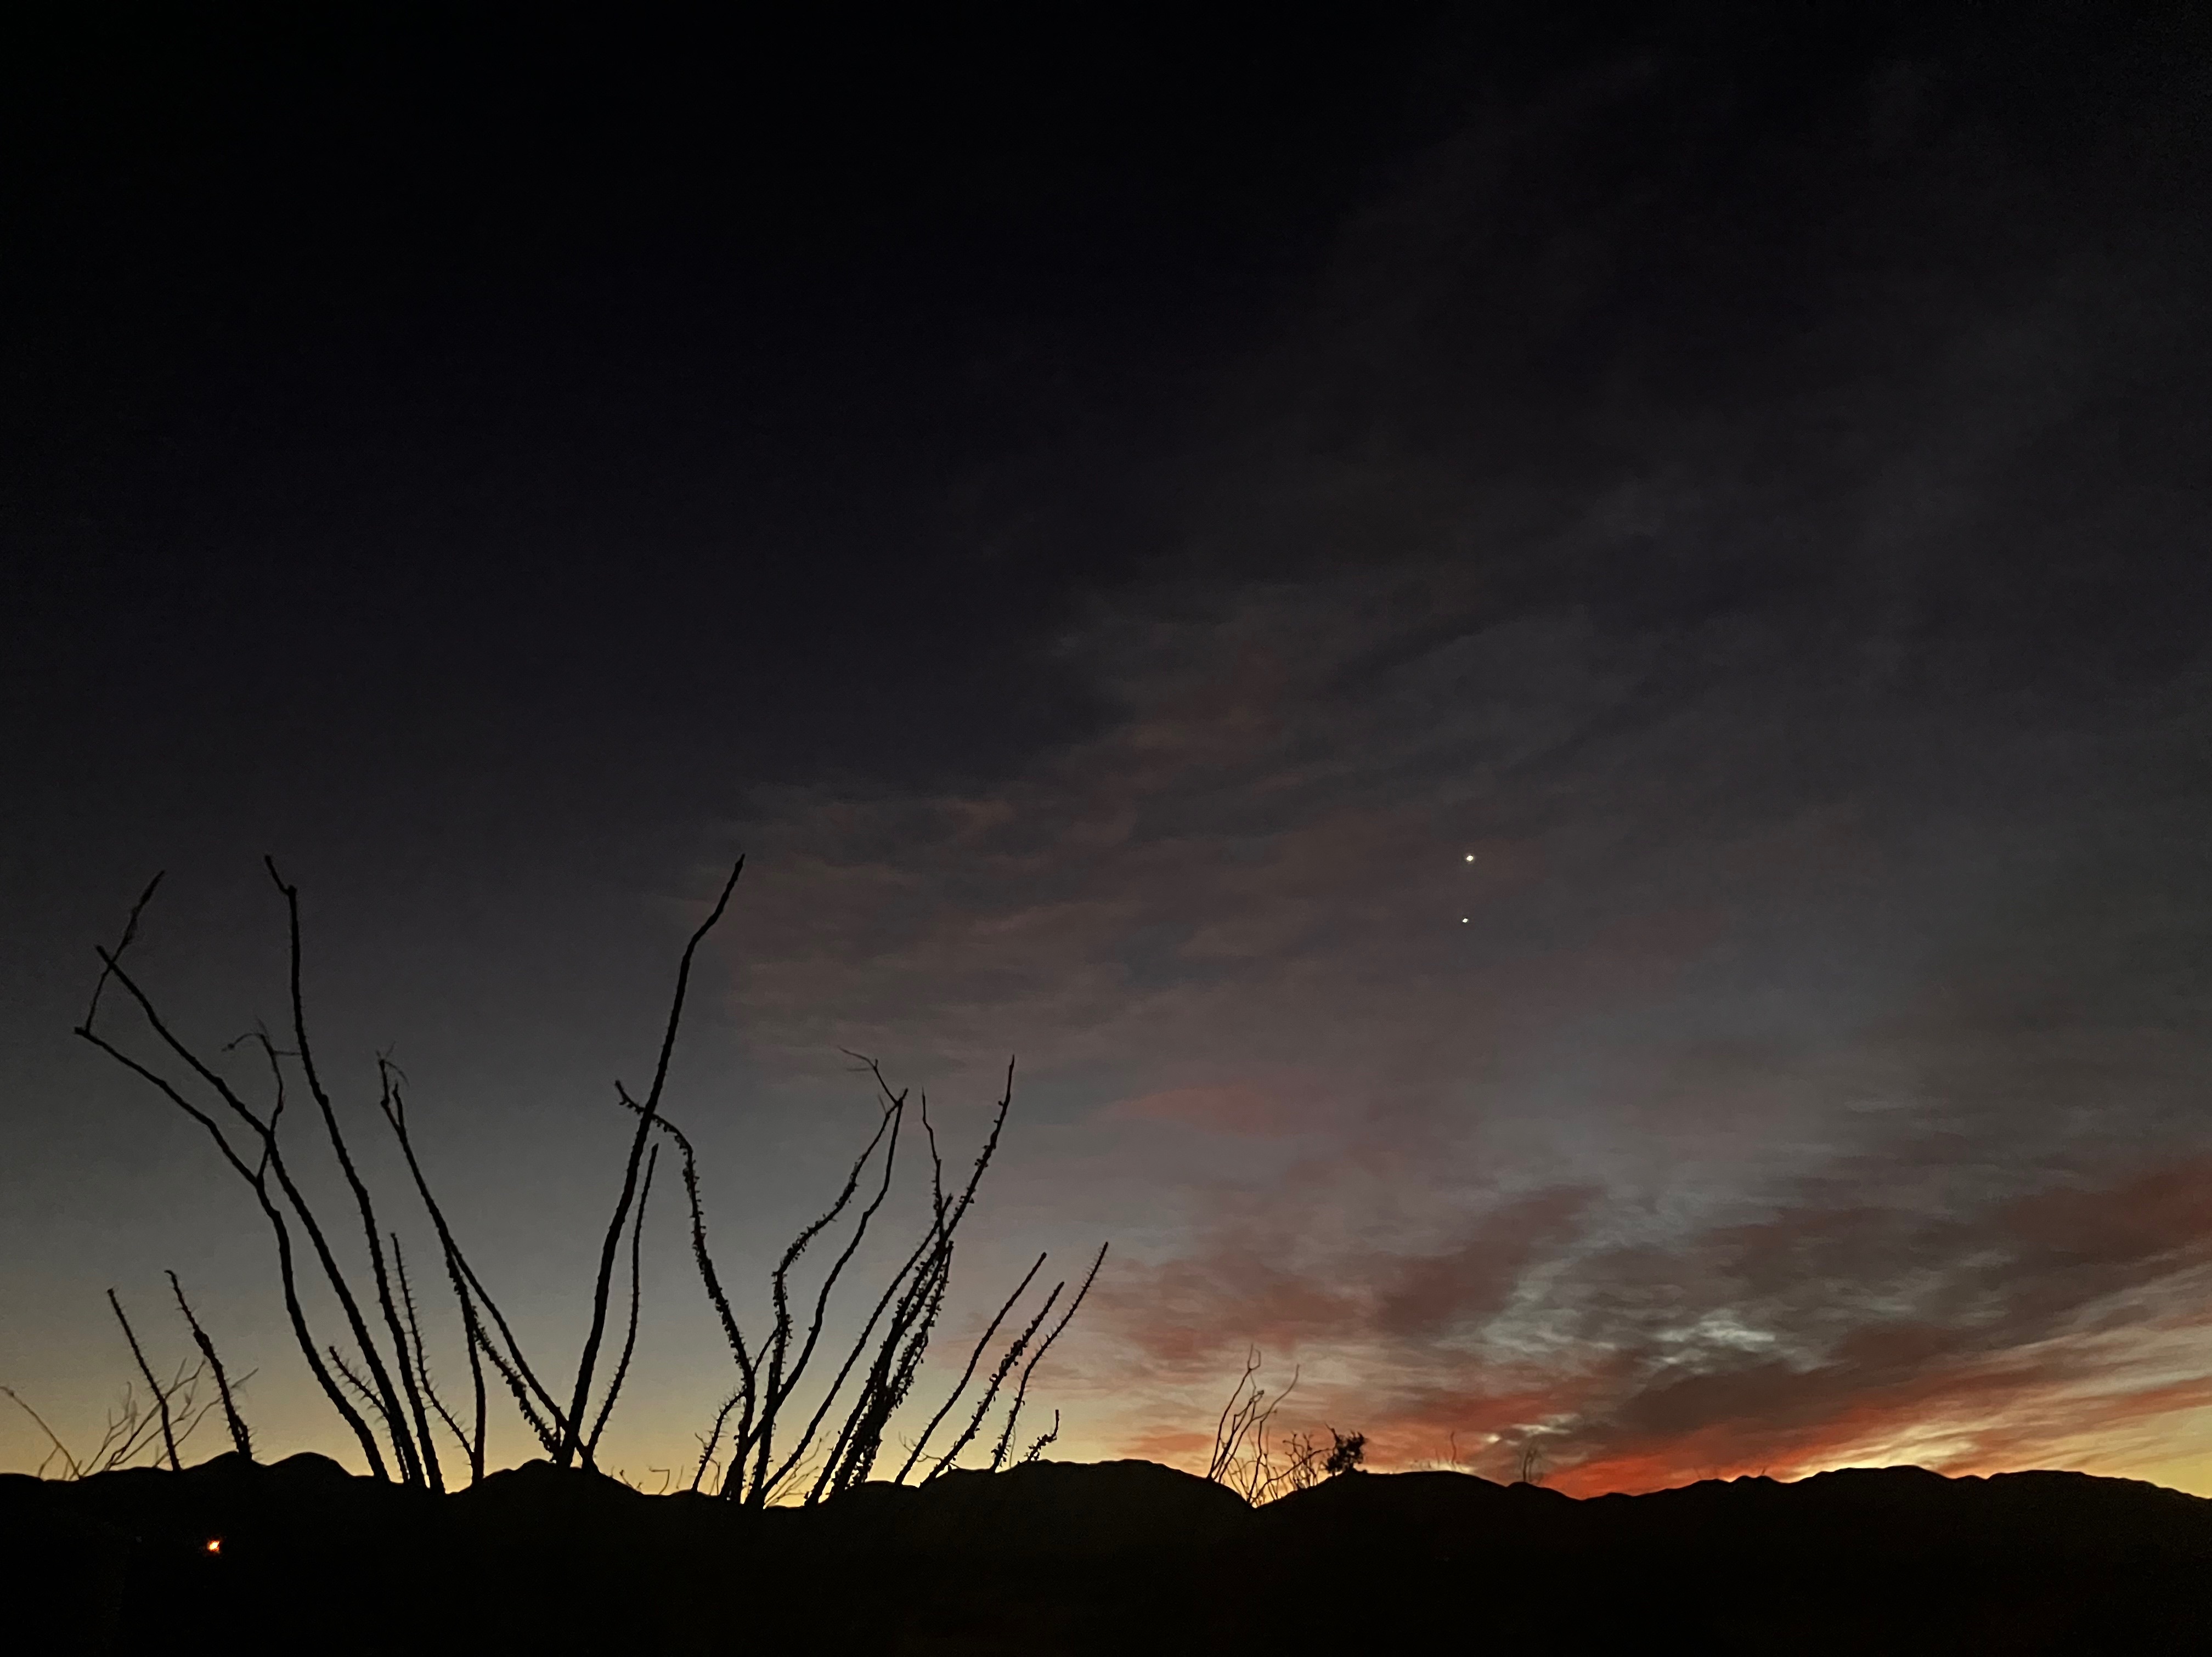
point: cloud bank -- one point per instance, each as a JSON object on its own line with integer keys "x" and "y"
{"x": 1637, "y": 887}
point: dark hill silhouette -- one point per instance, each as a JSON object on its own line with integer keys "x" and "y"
{"x": 1114, "y": 1557}
{"x": 1903, "y": 1510}
{"x": 1046, "y": 1510}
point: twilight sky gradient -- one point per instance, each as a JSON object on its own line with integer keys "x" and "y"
{"x": 1549, "y": 670}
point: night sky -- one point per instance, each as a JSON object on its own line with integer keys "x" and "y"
{"x": 1548, "y": 668}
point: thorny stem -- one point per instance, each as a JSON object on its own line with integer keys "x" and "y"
{"x": 1037, "y": 1448}
{"x": 419, "y": 1353}
{"x": 111, "y": 968}
{"x": 367, "y": 1394}
{"x": 272, "y": 1162}
{"x": 468, "y": 1288}
{"x": 844, "y": 1372}
{"x": 1021, "y": 1392}
{"x": 418, "y": 1456}
{"x": 1007, "y": 1362}
{"x": 160, "y": 1398}
{"x": 712, "y": 1440}
{"x": 779, "y": 1385}
{"x": 629, "y": 1340}
{"x": 975, "y": 1357}
{"x": 571, "y": 1440}
{"x": 747, "y": 1392}
{"x": 242, "y": 1439}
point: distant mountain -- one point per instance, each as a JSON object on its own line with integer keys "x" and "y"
{"x": 1122, "y": 1556}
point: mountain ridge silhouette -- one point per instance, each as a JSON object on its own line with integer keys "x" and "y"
{"x": 1077, "y": 1557}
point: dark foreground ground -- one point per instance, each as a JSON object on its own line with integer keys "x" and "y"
{"x": 1117, "y": 1557}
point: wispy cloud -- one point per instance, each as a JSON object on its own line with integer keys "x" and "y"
{"x": 1586, "y": 917}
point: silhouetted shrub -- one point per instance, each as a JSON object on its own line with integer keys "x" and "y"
{"x": 380, "y": 1384}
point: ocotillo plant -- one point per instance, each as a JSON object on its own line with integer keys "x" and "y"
{"x": 381, "y": 1386}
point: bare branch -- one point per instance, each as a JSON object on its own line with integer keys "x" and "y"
{"x": 1037, "y": 1448}
{"x": 629, "y": 1340}
{"x": 975, "y": 1357}
{"x": 1242, "y": 1459}
{"x": 76, "y": 1470}
{"x": 758, "y": 1495}
{"x": 712, "y": 1439}
{"x": 418, "y": 1355}
{"x": 468, "y": 1289}
{"x": 748, "y": 1391}
{"x": 548, "y": 1434}
{"x": 382, "y": 1384}
{"x": 418, "y": 1456}
{"x": 366, "y": 1393}
{"x": 240, "y": 1438}
{"x": 1022, "y": 1392}
{"x": 906, "y": 1340}
{"x": 781, "y": 1385}
{"x": 160, "y": 1398}
{"x": 571, "y": 1440}
{"x": 255, "y": 1177}
{"x": 898, "y": 1357}
{"x": 271, "y": 1161}
{"x": 129, "y": 936}
{"x": 1007, "y": 1362}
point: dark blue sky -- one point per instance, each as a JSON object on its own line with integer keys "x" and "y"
{"x": 1112, "y": 521}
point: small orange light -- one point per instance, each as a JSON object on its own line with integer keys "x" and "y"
{"x": 215, "y": 1545}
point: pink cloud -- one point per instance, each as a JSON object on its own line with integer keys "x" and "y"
{"x": 1230, "y": 1108}
{"x": 2041, "y": 1329}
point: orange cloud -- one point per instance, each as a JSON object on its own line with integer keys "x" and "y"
{"x": 2057, "y": 1325}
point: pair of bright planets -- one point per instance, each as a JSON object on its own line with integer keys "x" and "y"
{"x": 1463, "y": 920}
